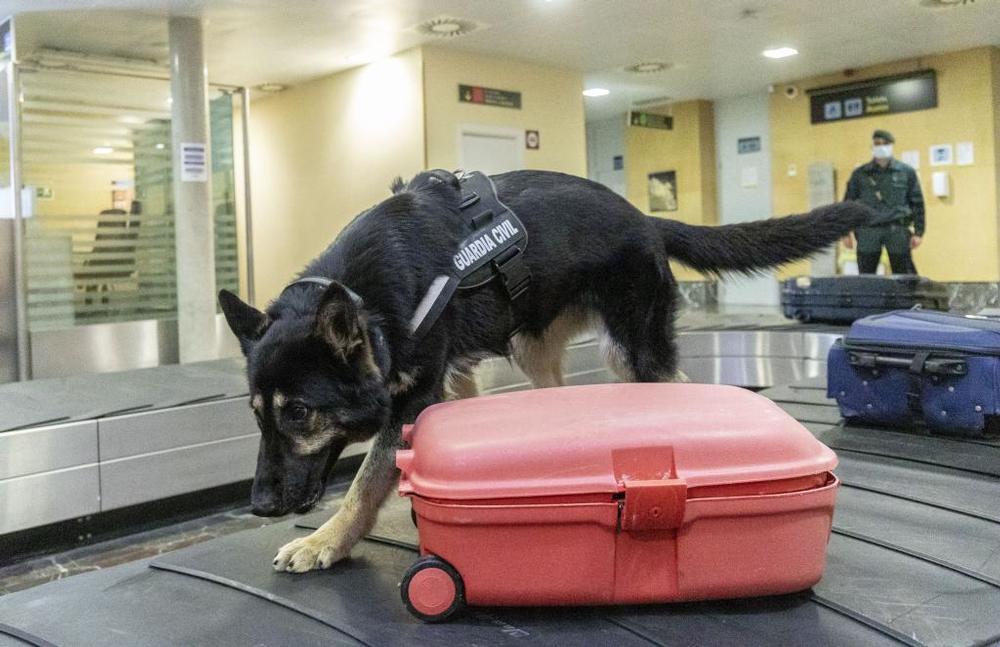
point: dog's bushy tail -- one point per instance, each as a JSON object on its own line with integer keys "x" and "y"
{"x": 750, "y": 247}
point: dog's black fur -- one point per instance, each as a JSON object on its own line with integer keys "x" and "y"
{"x": 324, "y": 373}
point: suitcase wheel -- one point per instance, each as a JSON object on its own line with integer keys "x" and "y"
{"x": 432, "y": 589}
{"x": 803, "y": 316}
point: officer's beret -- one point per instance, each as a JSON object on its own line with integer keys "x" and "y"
{"x": 884, "y": 134}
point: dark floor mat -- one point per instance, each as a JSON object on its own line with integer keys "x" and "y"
{"x": 928, "y": 450}
{"x": 933, "y": 604}
{"x": 953, "y": 489}
{"x": 134, "y": 605}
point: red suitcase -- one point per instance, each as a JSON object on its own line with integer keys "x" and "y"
{"x": 607, "y": 494}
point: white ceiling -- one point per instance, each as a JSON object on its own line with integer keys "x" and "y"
{"x": 713, "y": 45}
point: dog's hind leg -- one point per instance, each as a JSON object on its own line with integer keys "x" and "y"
{"x": 638, "y": 327}
{"x": 461, "y": 383}
{"x": 540, "y": 357}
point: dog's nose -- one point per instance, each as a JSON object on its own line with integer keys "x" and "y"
{"x": 267, "y": 510}
{"x": 267, "y": 507}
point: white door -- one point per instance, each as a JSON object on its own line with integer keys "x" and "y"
{"x": 491, "y": 150}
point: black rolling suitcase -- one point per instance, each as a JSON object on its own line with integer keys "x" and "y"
{"x": 844, "y": 299}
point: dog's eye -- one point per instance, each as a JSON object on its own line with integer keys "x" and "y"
{"x": 297, "y": 412}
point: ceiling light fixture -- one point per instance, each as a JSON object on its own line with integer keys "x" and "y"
{"x": 647, "y": 67}
{"x": 103, "y": 150}
{"x": 271, "y": 87}
{"x": 447, "y": 27}
{"x": 596, "y": 92}
{"x": 780, "y": 52}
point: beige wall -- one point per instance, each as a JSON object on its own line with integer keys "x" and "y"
{"x": 962, "y": 234}
{"x": 78, "y": 189}
{"x": 688, "y": 149}
{"x": 551, "y": 103}
{"x": 322, "y": 152}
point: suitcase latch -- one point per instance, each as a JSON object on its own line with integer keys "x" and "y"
{"x": 654, "y": 505}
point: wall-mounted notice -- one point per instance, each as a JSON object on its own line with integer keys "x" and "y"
{"x": 650, "y": 120}
{"x": 941, "y": 155}
{"x": 489, "y": 96}
{"x": 964, "y": 154}
{"x": 746, "y": 145}
{"x": 874, "y": 97}
{"x": 194, "y": 165}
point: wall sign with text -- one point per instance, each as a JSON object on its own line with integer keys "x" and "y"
{"x": 745, "y": 145}
{"x": 874, "y": 97}
{"x": 489, "y": 96}
{"x": 650, "y": 120}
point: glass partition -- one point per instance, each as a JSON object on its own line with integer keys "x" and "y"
{"x": 96, "y": 158}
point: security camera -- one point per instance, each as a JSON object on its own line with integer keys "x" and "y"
{"x": 791, "y": 91}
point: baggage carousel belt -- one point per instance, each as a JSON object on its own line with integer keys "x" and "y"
{"x": 914, "y": 559}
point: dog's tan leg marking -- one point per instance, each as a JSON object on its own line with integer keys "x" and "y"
{"x": 679, "y": 376}
{"x": 462, "y": 384}
{"x": 615, "y": 356}
{"x": 541, "y": 357}
{"x": 333, "y": 541}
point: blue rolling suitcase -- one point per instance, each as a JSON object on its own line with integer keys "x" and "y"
{"x": 913, "y": 366}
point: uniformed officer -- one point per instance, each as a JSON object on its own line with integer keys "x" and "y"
{"x": 891, "y": 188}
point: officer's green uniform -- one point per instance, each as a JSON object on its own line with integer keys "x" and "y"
{"x": 894, "y": 194}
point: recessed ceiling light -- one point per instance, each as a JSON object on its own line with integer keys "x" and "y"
{"x": 103, "y": 150}
{"x": 595, "y": 92}
{"x": 160, "y": 147}
{"x": 271, "y": 87}
{"x": 447, "y": 27}
{"x": 780, "y": 52}
{"x": 647, "y": 67}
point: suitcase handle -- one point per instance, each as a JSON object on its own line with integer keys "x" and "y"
{"x": 939, "y": 366}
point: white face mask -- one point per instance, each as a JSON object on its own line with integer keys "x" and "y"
{"x": 882, "y": 152}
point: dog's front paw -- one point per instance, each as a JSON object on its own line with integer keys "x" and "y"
{"x": 308, "y": 553}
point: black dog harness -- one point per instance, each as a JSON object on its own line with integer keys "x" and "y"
{"x": 494, "y": 248}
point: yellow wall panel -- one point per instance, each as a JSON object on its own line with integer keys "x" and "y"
{"x": 962, "y": 234}
{"x": 551, "y": 103}
{"x": 322, "y": 152}
{"x": 688, "y": 149}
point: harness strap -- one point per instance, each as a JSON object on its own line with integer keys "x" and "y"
{"x": 494, "y": 248}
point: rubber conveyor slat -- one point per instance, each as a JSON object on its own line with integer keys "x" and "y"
{"x": 86, "y": 397}
{"x": 914, "y": 559}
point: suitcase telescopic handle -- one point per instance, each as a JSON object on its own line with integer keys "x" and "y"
{"x": 933, "y": 366}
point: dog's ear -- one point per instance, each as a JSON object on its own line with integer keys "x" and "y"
{"x": 338, "y": 321}
{"x": 247, "y": 322}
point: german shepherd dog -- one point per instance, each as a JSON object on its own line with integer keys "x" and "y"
{"x": 333, "y": 365}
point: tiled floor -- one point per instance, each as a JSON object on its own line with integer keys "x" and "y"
{"x": 132, "y": 547}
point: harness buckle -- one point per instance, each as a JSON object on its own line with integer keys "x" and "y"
{"x": 515, "y": 273}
